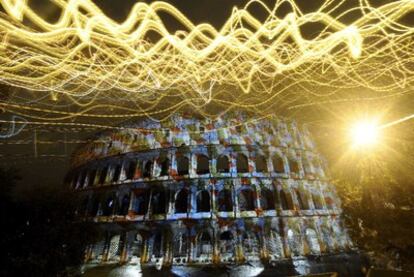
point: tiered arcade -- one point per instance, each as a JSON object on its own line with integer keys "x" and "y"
{"x": 198, "y": 193}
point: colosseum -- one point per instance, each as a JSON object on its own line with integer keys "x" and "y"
{"x": 195, "y": 197}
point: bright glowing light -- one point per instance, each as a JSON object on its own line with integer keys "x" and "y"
{"x": 89, "y": 60}
{"x": 364, "y": 133}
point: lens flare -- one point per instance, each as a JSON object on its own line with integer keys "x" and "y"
{"x": 364, "y": 134}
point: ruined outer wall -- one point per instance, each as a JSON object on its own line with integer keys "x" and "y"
{"x": 270, "y": 201}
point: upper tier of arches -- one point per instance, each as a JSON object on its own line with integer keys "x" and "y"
{"x": 181, "y": 131}
{"x": 198, "y": 162}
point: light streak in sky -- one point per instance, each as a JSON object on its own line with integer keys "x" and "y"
{"x": 139, "y": 68}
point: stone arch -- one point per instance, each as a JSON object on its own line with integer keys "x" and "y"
{"x": 246, "y": 199}
{"x": 94, "y": 208}
{"x": 312, "y": 240}
{"x": 327, "y": 239}
{"x": 136, "y": 245}
{"x": 102, "y": 177}
{"x": 91, "y": 177}
{"x": 274, "y": 244}
{"x": 227, "y": 242}
{"x": 302, "y": 200}
{"x": 117, "y": 173}
{"x": 157, "y": 244}
{"x": 203, "y": 166}
{"x": 251, "y": 244}
{"x": 83, "y": 206}
{"x": 147, "y": 173}
{"x": 183, "y": 165}
{"x": 294, "y": 166}
{"x": 165, "y": 166}
{"x": 108, "y": 206}
{"x": 181, "y": 201}
{"x": 83, "y": 179}
{"x": 286, "y": 200}
{"x": 317, "y": 201}
{"x": 295, "y": 243}
{"x": 242, "y": 163}
{"x": 278, "y": 164}
{"x": 124, "y": 204}
{"x": 180, "y": 244}
{"x": 267, "y": 199}
{"x": 225, "y": 200}
{"x": 203, "y": 201}
{"x": 130, "y": 174}
{"x": 329, "y": 202}
{"x": 114, "y": 250}
{"x": 223, "y": 164}
{"x": 261, "y": 164}
{"x": 140, "y": 203}
{"x": 159, "y": 201}
{"x": 204, "y": 244}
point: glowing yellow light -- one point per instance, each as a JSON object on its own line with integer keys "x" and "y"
{"x": 364, "y": 133}
{"x": 90, "y": 60}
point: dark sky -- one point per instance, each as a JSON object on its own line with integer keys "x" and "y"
{"x": 50, "y": 170}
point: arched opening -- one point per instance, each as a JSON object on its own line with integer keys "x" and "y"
{"x": 82, "y": 179}
{"x": 165, "y": 166}
{"x": 181, "y": 201}
{"x": 246, "y": 200}
{"x": 251, "y": 244}
{"x": 286, "y": 200}
{"x": 102, "y": 178}
{"x": 204, "y": 244}
{"x": 124, "y": 207}
{"x": 317, "y": 201}
{"x": 117, "y": 173}
{"x": 157, "y": 243}
{"x": 242, "y": 163}
{"x": 274, "y": 244}
{"x": 223, "y": 165}
{"x": 108, "y": 206}
{"x": 293, "y": 166}
{"x": 295, "y": 243}
{"x": 91, "y": 179}
{"x": 278, "y": 164}
{"x": 130, "y": 174}
{"x": 182, "y": 165}
{"x": 225, "y": 201}
{"x": 327, "y": 238}
{"x": 203, "y": 201}
{"x": 95, "y": 206}
{"x": 180, "y": 245}
{"x": 202, "y": 164}
{"x": 147, "y": 169}
{"x": 302, "y": 200}
{"x": 136, "y": 246}
{"x": 158, "y": 201}
{"x": 114, "y": 247}
{"x": 267, "y": 199}
{"x": 83, "y": 207}
{"x": 329, "y": 202}
{"x": 312, "y": 240}
{"x": 226, "y": 243}
{"x": 261, "y": 164}
{"x": 140, "y": 204}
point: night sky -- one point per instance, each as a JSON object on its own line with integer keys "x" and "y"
{"x": 51, "y": 162}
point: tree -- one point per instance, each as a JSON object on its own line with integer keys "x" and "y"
{"x": 40, "y": 232}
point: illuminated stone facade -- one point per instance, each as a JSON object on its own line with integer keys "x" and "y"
{"x": 194, "y": 193}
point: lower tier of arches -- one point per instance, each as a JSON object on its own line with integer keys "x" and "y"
{"x": 223, "y": 241}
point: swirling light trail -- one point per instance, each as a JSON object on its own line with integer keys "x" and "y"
{"x": 89, "y": 60}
